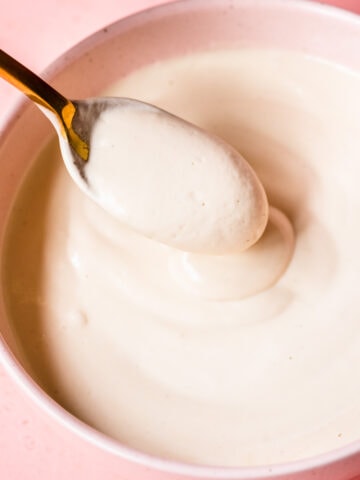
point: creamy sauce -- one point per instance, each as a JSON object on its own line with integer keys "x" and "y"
{"x": 173, "y": 182}
{"x": 135, "y": 338}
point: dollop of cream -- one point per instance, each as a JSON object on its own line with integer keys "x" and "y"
{"x": 173, "y": 182}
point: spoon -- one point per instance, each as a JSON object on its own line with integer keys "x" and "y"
{"x": 157, "y": 173}
{"x": 45, "y": 96}
{"x": 72, "y": 119}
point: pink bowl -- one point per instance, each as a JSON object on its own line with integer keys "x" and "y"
{"x": 156, "y": 34}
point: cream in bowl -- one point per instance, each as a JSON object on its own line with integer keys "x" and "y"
{"x": 143, "y": 341}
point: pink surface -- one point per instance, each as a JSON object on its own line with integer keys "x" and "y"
{"x": 36, "y": 33}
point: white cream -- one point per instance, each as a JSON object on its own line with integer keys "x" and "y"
{"x": 236, "y": 276}
{"x": 173, "y": 182}
{"x": 117, "y": 330}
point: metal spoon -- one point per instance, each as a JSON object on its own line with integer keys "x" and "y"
{"x": 65, "y": 111}
{"x": 105, "y": 177}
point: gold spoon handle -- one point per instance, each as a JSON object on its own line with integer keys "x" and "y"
{"x": 31, "y": 85}
{"x": 43, "y": 94}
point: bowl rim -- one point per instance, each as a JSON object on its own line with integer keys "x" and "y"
{"x": 28, "y": 385}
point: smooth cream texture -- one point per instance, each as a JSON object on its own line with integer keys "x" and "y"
{"x": 109, "y": 327}
{"x": 173, "y": 182}
{"x": 236, "y": 276}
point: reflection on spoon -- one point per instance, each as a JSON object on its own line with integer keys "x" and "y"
{"x": 164, "y": 177}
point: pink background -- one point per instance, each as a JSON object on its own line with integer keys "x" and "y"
{"x": 36, "y": 32}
